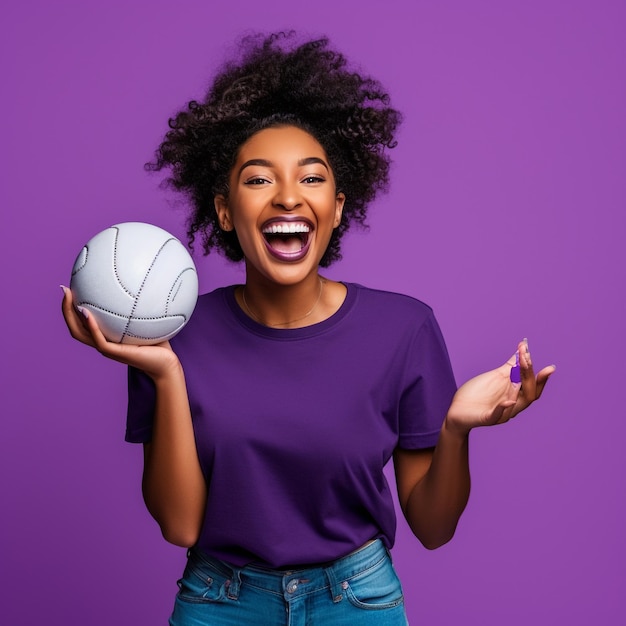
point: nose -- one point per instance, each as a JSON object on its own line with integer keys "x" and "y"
{"x": 287, "y": 196}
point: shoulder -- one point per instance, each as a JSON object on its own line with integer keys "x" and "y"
{"x": 389, "y": 305}
{"x": 213, "y": 303}
{"x": 212, "y": 312}
{"x": 392, "y": 318}
{"x": 218, "y": 295}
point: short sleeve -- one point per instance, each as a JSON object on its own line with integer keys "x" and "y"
{"x": 141, "y": 403}
{"x": 428, "y": 390}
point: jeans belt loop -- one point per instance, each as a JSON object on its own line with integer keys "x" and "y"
{"x": 335, "y": 585}
{"x": 234, "y": 585}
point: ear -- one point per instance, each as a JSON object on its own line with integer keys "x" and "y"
{"x": 340, "y": 200}
{"x": 223, "y": 213}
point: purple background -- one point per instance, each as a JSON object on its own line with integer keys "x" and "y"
{"x": 506, "y": 214}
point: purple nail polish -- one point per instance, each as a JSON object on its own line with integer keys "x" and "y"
{"x": 516, "y": 376}
{"x": 84, "y": 312}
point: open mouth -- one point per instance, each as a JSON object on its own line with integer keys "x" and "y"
{"x": 287, "y": 240}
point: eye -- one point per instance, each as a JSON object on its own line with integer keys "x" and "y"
{"x": 256, "y": 180}
{"x": 312, "y": 179}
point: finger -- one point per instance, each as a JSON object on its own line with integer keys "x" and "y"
{"x": 508, "y": 410}
{"x": 514, "y": 374}
{"x": 123, "y": 353}
{"x": 512, "y": 361}
{"x": 529, "y": 381}
{"x": 110, "y": 349}
{"x": 90, "y": 323}
{"x": 73, "y": 319}
{"x": 501, "y": 414}
{"x": 524, "y": 355}
{"x": 67, "y": 304}
{"x": 71, "y": 312}
{"x": 66, "y": 294}
{"x": 542, "y": 379}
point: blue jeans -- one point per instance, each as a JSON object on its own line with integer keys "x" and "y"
{"x": 361, "y": 589}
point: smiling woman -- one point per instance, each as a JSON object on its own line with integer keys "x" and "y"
{"x": 278, "y": 82}
{"x": 288, "y": 236}
{"x": 268, "y": 421}
{"x": 284, "y": 206}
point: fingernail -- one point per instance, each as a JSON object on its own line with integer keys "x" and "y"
{"x": 63, "y": 288}
{"x": 527, "y": 353}
{"x": 83, "y": 311}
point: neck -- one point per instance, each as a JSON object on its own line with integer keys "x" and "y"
{"x": 284, "y": 306}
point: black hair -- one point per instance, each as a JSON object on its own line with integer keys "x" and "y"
{"x": 277, "y": 81}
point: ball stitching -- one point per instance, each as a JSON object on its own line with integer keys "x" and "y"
{"x": 171, "y": 296}
{"x": 143, "y": 282}
{"x": 117, "y": 276}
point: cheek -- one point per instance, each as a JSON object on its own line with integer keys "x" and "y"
{"x": 243, "y": 216}
{"x": 247, "y": 232}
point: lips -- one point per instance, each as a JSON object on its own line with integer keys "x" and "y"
{"x": 287, "y": 238}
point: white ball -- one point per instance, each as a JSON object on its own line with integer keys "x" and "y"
{"x": 139, "y": 282}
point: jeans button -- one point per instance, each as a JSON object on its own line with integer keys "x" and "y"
{"x": 292, "y": 585}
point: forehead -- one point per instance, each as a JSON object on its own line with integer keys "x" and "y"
{"x": 281, "y": 144}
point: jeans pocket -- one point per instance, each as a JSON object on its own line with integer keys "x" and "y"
{"x": 376, "y": 588}
{"x": 202, "y": 584}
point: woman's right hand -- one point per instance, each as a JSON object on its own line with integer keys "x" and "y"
{"x": 155, "y": 360}
{"x": 174, "y": 487}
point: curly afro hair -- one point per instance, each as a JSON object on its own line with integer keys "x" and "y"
{"x": 275, "y": 82}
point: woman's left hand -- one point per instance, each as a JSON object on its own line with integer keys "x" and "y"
{"x": 491, "y": 398}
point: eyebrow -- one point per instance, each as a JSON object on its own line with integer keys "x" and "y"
{"x": 266, "y": 163}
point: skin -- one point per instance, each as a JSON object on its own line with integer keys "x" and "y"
{"x": 434, "y": 485}
{"x": 284, "y": 172}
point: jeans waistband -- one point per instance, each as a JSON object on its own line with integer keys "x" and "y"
{"x": 297, "y": 581}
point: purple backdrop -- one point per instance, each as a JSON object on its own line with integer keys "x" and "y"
{"x": 506, "y": 214}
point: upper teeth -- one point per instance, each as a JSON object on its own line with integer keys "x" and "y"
{"x": 272, "y": 229}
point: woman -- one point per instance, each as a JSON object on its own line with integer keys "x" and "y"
{"x": 267, "y": 422}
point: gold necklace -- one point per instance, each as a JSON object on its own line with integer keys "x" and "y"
{"x": 298, "y": 319}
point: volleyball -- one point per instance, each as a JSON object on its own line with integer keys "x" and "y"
{"x": 138, "y": 281}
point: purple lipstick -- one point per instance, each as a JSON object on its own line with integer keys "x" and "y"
{"x": 287, "y": 238}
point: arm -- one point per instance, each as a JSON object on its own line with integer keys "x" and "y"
{"x": 434, "y": 485}
{"x": 173, "y": 484}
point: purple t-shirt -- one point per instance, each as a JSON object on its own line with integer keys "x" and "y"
{"x": 294, "y": 426}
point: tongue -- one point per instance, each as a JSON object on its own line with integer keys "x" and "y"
{"x": 285, "y": 243}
